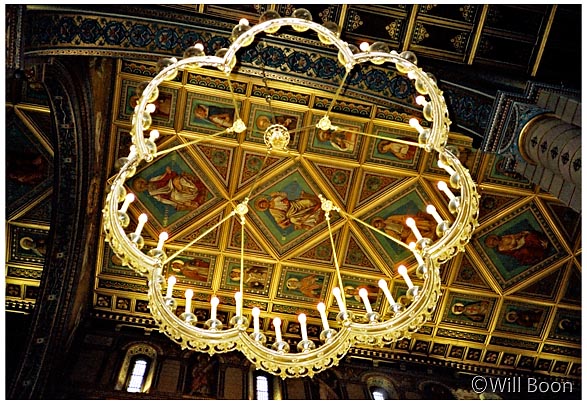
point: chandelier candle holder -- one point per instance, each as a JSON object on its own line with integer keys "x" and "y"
{"x": 243, "y": 331}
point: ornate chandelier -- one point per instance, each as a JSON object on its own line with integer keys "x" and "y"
{"x": 396, "y": 320}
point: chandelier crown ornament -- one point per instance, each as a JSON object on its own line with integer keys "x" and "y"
{"x": 399, "y": 320}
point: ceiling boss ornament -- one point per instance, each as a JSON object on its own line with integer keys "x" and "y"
{"x": 243, "y": 333}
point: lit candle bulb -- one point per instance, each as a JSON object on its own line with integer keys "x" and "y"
{"x": 403, "y": 271}
{"x": 188, "y": 300}
{"x": 421, "y": 100}
{"x": 153, "y": 135}
{"x": 302, "y": 321}
{"x": 412, "y": 225}
{"x": 322, "y": 311}
{"x": 142, "y": 220}
{"x": 383, "y": 285}
{"x": 444, "y": 188}
{"x": 277, "y": 325}
{"x": 364, "y": 46}
{"x": 256, "y": 313}
{"x": 162, "y": 237}
{"x": 446, "y": 167}
{"x": 365, "y": 296}
{"x": 150, "y": 108}
{"x": 127, "y": 201}
{"x": 170, "y": 283}
{"x": 133, "y": 152}
{"x": 238, "y": 297}
{"x": 213, "y": 307}
{"x": 414, "y": 123}
{"x": 431, "y": 209}
{"x": 338, "y": 296}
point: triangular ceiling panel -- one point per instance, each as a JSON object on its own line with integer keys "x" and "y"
{"x": 374, "y": 184}
{"x": 29, "y": 165}
{"x": 469, "y": 275}
{"x": 211, "y": 239}
{"x": 253, "y": 162}
{"x": 568, "y": 221}
{"x": 250, "y": 245}
{"x": 357, "y": 257}
{"x": 220, "y": 160}
{"x": 572, "y": 293}
{"x": 321, "y": 252}
{"x": 340, "y": 179}
{"x": 493, "y": 203}
{"x": 546, "y": 288}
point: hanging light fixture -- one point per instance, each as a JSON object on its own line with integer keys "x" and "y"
{"x": 243, "y": 333}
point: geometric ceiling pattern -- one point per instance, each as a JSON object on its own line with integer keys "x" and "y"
{"x": 512, "y": 309}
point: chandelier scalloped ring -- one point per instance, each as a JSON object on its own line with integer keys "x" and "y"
{"x": 369, "y": 328}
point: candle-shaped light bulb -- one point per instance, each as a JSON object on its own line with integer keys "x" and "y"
{"x": 412, "y": 245}
{"x": 446, "y": 167}
{"x": 444, "y": 188}
{"x": 322, "y": 311}
{"x": 364, "y": 46}
{"x": 150, "y": 108}
{"x": 256, "y": 313}
{"x": 153, "y": 135}
{"x": 214, "y": 307}
{"x": 414, "y": 123}
{"x": 403, "y": 271}
{"x": 243, "y": 21}
{"x": 170, "y": 283}
{"x": 421, "y": 100}
{"x": 411, "y": 223}
{"x": 383, "y": 286}
{"x": 365, "y": 296}
{"x": 162, "y": 237}
{"x": 127, "y": 201}
{"x": 133, "y": 152}
{"x": 188, "y": 300}
{"x": 302, "y": 321}
{"x": 238, "y": 297}
{"x": 142, "y": 220}
{"x": 339, "y": 301}
{"x": 431, "y": 209}
{"x": 277, "y": 325}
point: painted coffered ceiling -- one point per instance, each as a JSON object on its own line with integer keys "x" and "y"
{"x": 519, "y": 310}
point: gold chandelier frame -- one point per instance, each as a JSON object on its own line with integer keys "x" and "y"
{"x": 370, "y": 329}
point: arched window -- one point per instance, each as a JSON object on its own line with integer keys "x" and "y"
{"x": 137, "y": 369}
{"x": 136, "y": 377}
{"x": 261, "y": 386}
{"x": 378, "y": 393}
{"x": 380, "y": 386}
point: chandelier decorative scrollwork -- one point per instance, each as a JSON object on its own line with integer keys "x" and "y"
{"x": 243, "y": 333}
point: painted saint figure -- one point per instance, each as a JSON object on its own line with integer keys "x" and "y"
{"x": 528, "y": 247}
{"x": 196, "y": 269}
{"x": 255, "y": 276}
{"x": 395, "y": 226}
{"x": 399, "y": 150}
{"x": 221, "y": 117}
{"x": 343, "y": 141}
{"x": 303, "y": 213}
{"x": 183, "y": 191}
{"x": 474, "y": 311}
{"x": 308, "y": 285}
